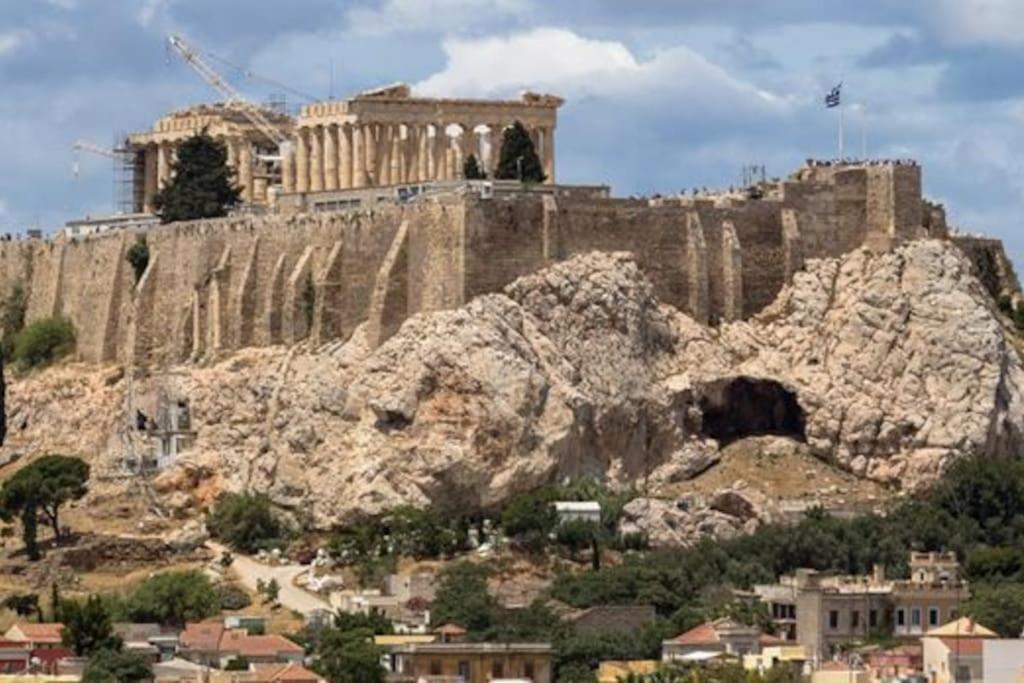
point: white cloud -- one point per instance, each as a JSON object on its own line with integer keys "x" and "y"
{"x": 150, "y": 10}
{"x": 440, "y": 16}
{"x": 999, "y": 22}
{"x": 13, "y": 40}
{"x": 560, "y": 61}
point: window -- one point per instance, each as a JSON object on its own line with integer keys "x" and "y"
{"x": 933, "y": 616}
{"x": 497, "y": 670}
{"x": 528, "y": 669}
{"x": 833, "y": 618}
{"x": 963, "y": 674}
{"x": 435, "y": 667}
{"x": 901, "y": 617}
{"x": 873, "y": 618}
{"x": 915, "y": 616}
{"x": 464, "y": 670}
{"x": 855, "y": 619}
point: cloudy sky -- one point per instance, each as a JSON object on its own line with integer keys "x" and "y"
{"x": 662, "y": 94}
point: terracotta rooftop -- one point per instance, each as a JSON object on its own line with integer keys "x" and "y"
{"x": 203, "y": 636}
{"x": 37, "y": 633}
{"x": 964, "y": 627}
{"x": 285, "y": 673}
{"x": 450, "y": 629}
{"x": 964, "y": 646}
{"x": 257, "y": 646}
{"x": 705, "y": 634}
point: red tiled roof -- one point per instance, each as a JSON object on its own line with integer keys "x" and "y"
{"x": 40, "y": 633}
{"x": 6, "y": 644}
{"x": 768, "y": 639}
{"x": 705, "y": 634}
{"x": 202, "y": 637}
{"x": 284, "y": 673}
{"x": 257, "y": 646}
{"x": 964, "y": 646}
{"x": 450, "y": 629}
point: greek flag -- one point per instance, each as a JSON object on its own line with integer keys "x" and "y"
{"x": 833, "y": 98}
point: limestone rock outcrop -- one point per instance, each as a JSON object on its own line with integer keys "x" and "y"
{"x": 889, "y": 366}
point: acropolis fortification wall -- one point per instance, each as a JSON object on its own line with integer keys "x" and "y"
{"x": 216, "y": 285}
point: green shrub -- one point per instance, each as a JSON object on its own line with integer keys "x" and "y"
{"x": 12, "y": 318}
{"x": 233, "y": 597}
{"x": 174, "y": 598}
{"x": 138, "y": 257}
{"x": 239, "y": 663}
{"x": 247, "y": 522}
{"x": 44, "y": 341}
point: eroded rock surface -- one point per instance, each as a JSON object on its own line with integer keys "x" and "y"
{"x": 889, "y": 366}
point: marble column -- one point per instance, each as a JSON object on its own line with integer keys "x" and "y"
{"x": 383, "y": 156}
{"x": 288, "y": 168}
{"x": 330, "y": 158}
{"x": 301, "y": 161}
{"x": 410, "y": 151}
{"x": 467, "y": 145}
{"x": 497, "y": 135}
{"x": 358, "y": 156}
{"x": 316, "y": 159}
{"x": 423, "y": 155}
{"x": 549, "y": 154}
{"x": 371, "y": 138}
{"x": 150, "y": 179}
{"x": 396, "y": 155}
{"x": 163, "y": 164}
{"x": 442, "y": 143}
{"x": 245, "y": 171}
{"x": 344, "y": 156}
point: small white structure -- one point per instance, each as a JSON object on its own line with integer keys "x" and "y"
{"x": 1002, "y": 660}
{"x": 572, "y": 510}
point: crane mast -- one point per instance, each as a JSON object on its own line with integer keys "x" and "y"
{"x": 233, "y": 98}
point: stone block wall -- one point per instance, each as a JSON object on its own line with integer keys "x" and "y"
{"x": 216, "y": 285}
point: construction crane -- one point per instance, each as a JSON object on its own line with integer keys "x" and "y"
{"x": 232, "y": 97}
{"x": 92, "y": 148}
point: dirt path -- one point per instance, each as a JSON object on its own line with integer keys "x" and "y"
{"x": 250, "y": 571}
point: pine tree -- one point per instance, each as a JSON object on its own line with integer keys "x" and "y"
{"x": 471, "y": 169}
{"x": 519, "y": 160}
{"x": 201, "y": 185}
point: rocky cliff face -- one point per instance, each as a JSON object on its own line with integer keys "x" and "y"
{"x": 887, "y": 365}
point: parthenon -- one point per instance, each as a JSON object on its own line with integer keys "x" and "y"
{"x": 376, "y": 138}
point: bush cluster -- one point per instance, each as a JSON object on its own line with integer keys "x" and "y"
{"x": 247, "y": 522}
{"x": 43, "y": 341}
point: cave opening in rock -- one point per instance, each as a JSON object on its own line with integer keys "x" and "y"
{"x": 739, "y": 407}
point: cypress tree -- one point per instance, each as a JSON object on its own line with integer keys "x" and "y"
{"x": 201, "y": 185}
{"x": 471, "y": 169}
{"x": 519, "y": 160}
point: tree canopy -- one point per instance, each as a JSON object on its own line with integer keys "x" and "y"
{"x": 201, "y": 184}
{"x": 39, "y": 490}
{"x": 471, "y": 169}
{"x": 247, "y": 522}
{"x": 174, "y": 598}
{"x": 349, "y": 656}
{"x": 88, "y": 627}
{"x": 518, "y": 159}
{"x": 116, "y": 666}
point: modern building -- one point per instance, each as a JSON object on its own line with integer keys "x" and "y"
{"x": 952, "y": 653}
{"x": 36, "y": 636}
{"x": 712, "y": 640}
{"x": 1002, "y": 660}
{"x": 153, "y": 641}
{"x": 822, "y": 611}
{"x": 475, "y": 662}
{"x": 578, "y": 510}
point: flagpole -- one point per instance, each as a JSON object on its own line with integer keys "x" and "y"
{"x": 841, "y": 117}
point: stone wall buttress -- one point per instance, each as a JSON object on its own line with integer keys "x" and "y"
{"x": 245, "y": 300}
{"x": 732, "y": 274}
{"x": 327, "y": 313}
{"x": 296, "y": 314}
{"x": 792, "y": 244}
{"x": 389, "y": 301}
{"x": 272, "y": 309}
{"x": 696, "y": 268}
{"x": 217, "y": 308}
